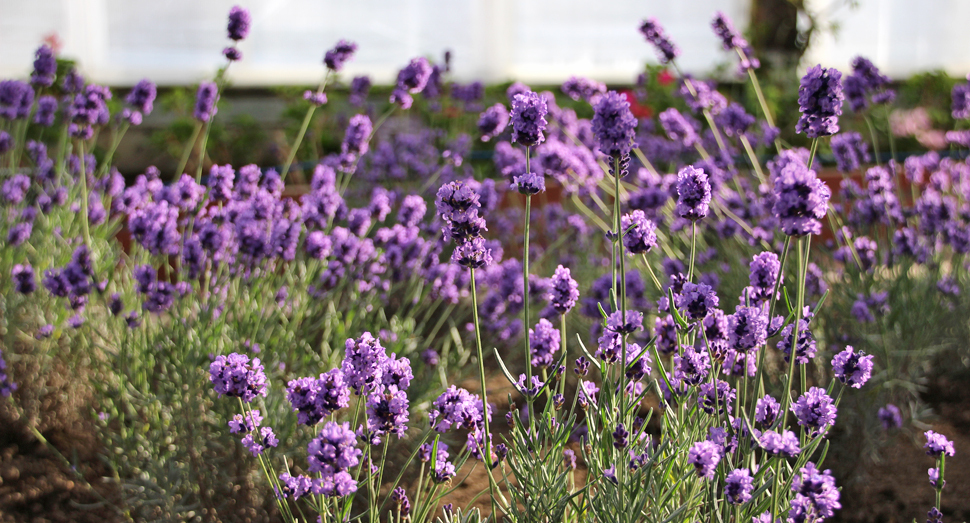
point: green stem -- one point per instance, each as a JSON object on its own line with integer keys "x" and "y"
{"x": 115, "y": 142}
{"x": 299, "y": 139}
{"x": 187, "y": 152}
{"x": 872, "y": 134}
{"x": 525, "y": 302}
{"x": 487, "y": 455}
{"x": 764, "y": 104}
{"x": 693, "y": 250}
{"x": 753, "y": 157}
{"x": 201, "y": 162}
{"x": 86, "y": 231}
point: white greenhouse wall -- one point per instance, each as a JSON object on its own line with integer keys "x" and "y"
{"x": 119, "y": 42}
{"x": 180, "y": 41}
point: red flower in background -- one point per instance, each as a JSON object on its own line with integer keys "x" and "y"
{"x": 54, "y": 42}
{"x": 638, "y": 110}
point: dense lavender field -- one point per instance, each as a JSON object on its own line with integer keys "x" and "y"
{"x": 656, "y": 303}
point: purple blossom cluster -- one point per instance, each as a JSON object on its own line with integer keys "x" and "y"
{"x": 852, "y": 368}
{"x": 614, "y": 125}
{"x": 238, "y": 377}
{"x": 331, "y": 454}
{"x": 820, "y": 102}
{"x": 731, "y": 39}
{"x": 457, "y": 409}
{"x": 867, "y": 85}
{"x": 801, "y": 199}
{"x": 412, "y": 79}
{"x": 528, "y": 118}
{"x": 458, "y": 204}
{"x": 654, "y": 34}
{"x": 815, "y": 410}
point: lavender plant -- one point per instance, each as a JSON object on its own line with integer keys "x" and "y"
{"x": 329, "y": 324}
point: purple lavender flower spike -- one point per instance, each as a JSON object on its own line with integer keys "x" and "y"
{"x": 336, "y": 57}
{"x": 565, "y": 291}
{"x": 816, "y": 496}
{"x": 715, "y": 398}
{"x": 678, "y": 128}
{"x": 747, "y": 328}
{"x": 890, "y": 416}
{"x": 960, "y": 105}
{"x": 697, "y": 299}
{"x": 614, "y": 125}
{"x": 934, "y": 475}
{"x": 265, "y": 438}
{"x": 493, "y": 121}
{"x": 804, "y": 349}
{"x": 528, "y": 118}
{"x": 640, "y": 234}
{"x": 355, "y": 139}
{"x": 16, "y": 98}
{"x": 704, "y": 456}
{"x": 457, "y": 408}
{"x": 850, "y": 150}
{"x": 529, "y": 183}
{"x": 364, "y": 362}
{"x": 692, "y": 367}
{"x": 764, "y": 269}
{"x": 865, "y": 84}
{"x": 654, "y": 33}
{"x": 239, "y": 22}
{"x": 801, "y": 199}
{"x": 46, "y": 111}
{"x": 472, "y": 254}
{"x": 141, "y": 99}
{"x": 734, "y": 120}
{"x": 815, "y": 410}
{"x": 693, "y": 193}
{"x": 544, "y": 343}
{"x": 45, "y": 67}
{"x": 853, "y": 369}
{"x": 724, "y": 29}
{"x": 583, "y": 89}
{"x": 23, "y": 277}
{"x": 738, "y": 486}
{"x": 784, "y": 444}
{"x": 237, "y": 377}
{"x": 387, "y": 412}
{"x": 937, "y": 445}
{"x": 412, "y": 79}
{"x": 820, "y": 102}
{"x": 332, "y": 454}
{"x": 400, "y": 498}
{"x": 205, "y": 101}
{"x": 766, "y": 411}
{"x": 359, "y": 88}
